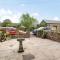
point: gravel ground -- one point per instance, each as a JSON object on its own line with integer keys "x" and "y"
{"x": 8, "y": 50}
{"x": 34, "y": 49}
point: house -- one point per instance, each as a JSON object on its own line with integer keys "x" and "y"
{"x": 52, "y": 24}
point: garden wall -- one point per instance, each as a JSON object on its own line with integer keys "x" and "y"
{"x": 53, "y": 36}
{"x": 49, "y": 35}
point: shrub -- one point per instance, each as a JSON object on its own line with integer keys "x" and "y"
{"x": 42, "y": 34}
{"x": 39, "y": 33}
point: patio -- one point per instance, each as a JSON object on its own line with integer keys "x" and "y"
{"x": 34, "y": 49}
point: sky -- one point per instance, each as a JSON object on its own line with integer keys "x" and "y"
{"x": 40, "y": 9}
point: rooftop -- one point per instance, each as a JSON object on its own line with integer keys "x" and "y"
{"x": 52, "y": 21}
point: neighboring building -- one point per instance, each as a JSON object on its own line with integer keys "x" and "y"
{"x": 54, "y": 25}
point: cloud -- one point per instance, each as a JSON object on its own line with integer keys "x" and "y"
{"x": 22, "y": 5}
{"x": 5, "y": 12}
{"x": 8, "y": 14}
{"x": 14, "y": 16}
{"x": 55, "y": 18}
{"x": 35, "y": 14}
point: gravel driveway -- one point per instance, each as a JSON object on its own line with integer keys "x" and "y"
{"x": 34, "y": 49}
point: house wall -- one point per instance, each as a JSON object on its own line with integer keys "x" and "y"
{"x": 54, "y": 27}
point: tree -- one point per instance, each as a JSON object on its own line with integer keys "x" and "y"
{"x": 27, "y": 21}
{"x": 0, "y": 23}
{"x": 7, "y": 23}
{"x": 43, "y": 24}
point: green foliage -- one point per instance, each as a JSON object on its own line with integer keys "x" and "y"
{"x": 43, "y": 24}
{"x": 38, "y": 26}
{"x": 27, "y": 21}
{"x": 6, "y": 23}
{"x": 16, "y": 25}
{"x": 42, "y": 34}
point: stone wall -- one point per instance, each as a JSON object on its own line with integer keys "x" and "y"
{"x": 53, "y": 36}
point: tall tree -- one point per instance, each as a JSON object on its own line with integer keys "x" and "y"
{"x": 43, "y": 24}
{"x": 27, "y": 21}
{"x": 6, "y": 23}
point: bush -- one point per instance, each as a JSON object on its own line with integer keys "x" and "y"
{"x": 42, "y": 34}
{"x": 39, "y": 33}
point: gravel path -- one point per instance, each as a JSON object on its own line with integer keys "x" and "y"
{"x": 34, "y": 49}
{"x": 42, "y": 49}
{"x": 8, "y": 50}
